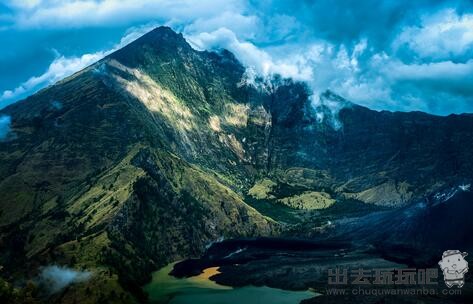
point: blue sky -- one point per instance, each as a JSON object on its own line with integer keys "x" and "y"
{"x": 393, "y": 55}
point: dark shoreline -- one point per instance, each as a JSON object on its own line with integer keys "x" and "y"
{"x": 297, "y": 265}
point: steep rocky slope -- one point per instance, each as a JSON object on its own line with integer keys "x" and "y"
{"x": 157, "y": 150}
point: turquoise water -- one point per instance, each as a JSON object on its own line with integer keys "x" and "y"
{"x": 200, "y": 290}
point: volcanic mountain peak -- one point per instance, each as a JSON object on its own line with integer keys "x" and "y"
{"x": 161, "y": 37}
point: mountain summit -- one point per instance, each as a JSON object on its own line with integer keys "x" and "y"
{"x": 157, "y": 150}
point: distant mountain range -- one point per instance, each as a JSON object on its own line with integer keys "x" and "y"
{"x": 157, "y": 150}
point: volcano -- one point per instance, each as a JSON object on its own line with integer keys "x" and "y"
{"x": 158, "y": 150}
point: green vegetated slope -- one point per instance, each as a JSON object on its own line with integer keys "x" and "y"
{"x": 136, "y": 168}
{"x": 157, "y": 150}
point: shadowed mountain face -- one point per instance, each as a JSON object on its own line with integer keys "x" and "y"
{"x": 157, "y": 150}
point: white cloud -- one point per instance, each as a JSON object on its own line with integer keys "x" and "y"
{"x": 445, "y": 71}
{"x": 56, "y": 278}
{"x": 24, "y": 4}
{"x": 247, "y": 26}
{"x": 60, "y": 68}
{"x": 63, "y": 67}
{"x": 251, "y": 56}
{"x": 5, "y": 122}
{"x": 85, "y": 13}
{"x": 439, "y": 36}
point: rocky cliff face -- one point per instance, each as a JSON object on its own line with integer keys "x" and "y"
{"x": 157, "y": 150}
